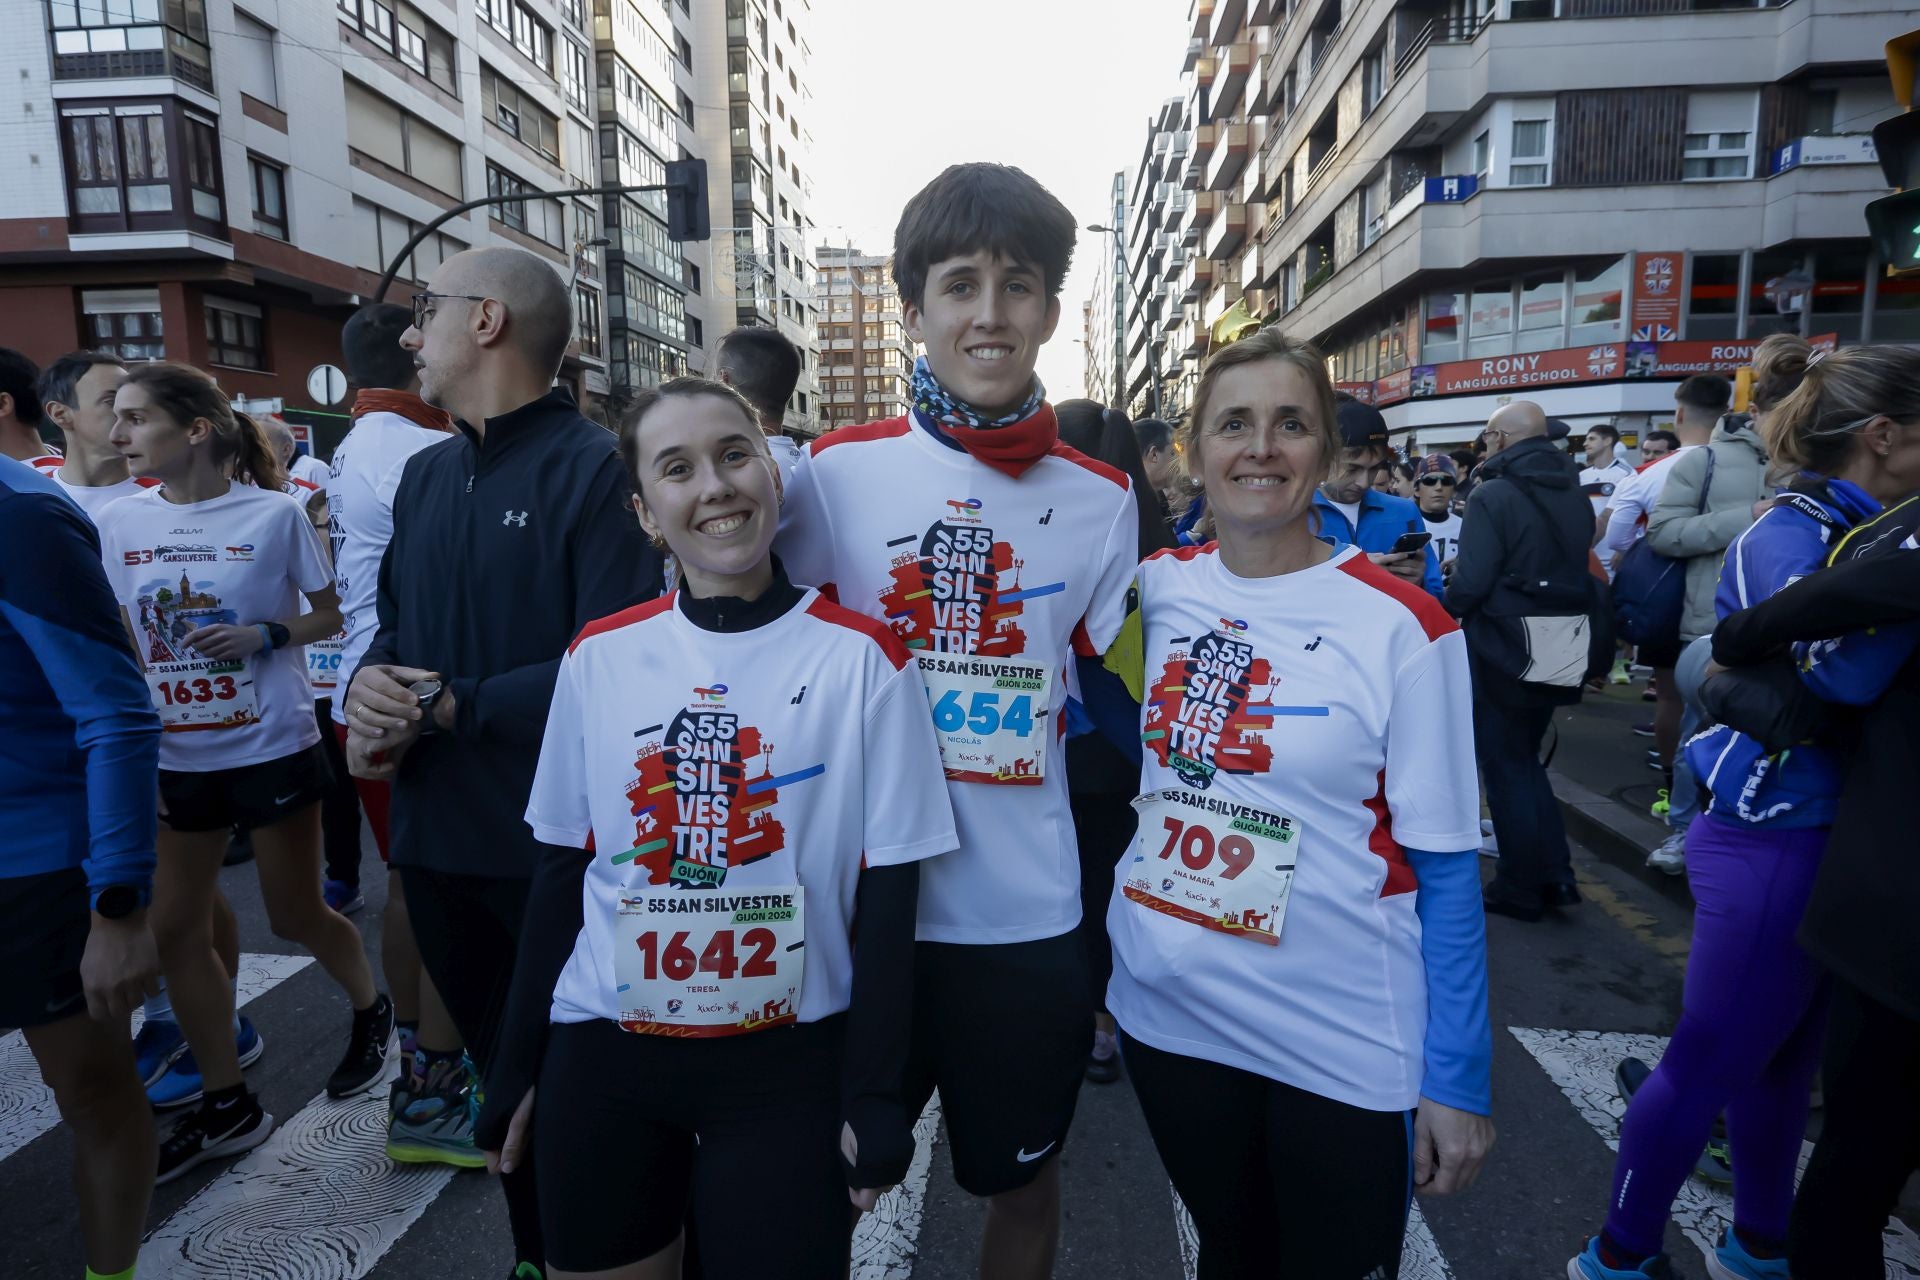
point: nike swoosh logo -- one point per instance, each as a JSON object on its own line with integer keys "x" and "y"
{"x": 1024, "y": 1158}
{"x": 280, "y": 800}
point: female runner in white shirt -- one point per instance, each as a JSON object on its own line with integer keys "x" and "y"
{"x": 1299, "y": 959}
{"x": 210, "y": 569}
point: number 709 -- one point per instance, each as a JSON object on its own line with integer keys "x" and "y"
{"x": 1198, "y": 848}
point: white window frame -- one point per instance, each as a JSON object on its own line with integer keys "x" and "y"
{"x": 1541, "y": 161}
{"x": 1482, "y": 152}
{"x": 1714, "y": 149}
{"x": 1706, "y": 140}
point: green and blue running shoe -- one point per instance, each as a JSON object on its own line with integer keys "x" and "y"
{"x": 432, "y": 1120}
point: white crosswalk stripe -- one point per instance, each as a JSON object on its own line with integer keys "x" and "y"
{"x": 887, "y": 1240}
{"x": 1420, "y": 1256}
{"x": 319, "y": 1200}
{"x": 26, "y": 1105}
{"x": 1582, "y": 1064}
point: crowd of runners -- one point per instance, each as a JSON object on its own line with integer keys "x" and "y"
{"x": 987, "y": 750}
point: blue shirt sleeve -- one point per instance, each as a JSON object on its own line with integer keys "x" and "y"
{"x": 54, "y": 594}
{"x": 1453, "y": 945}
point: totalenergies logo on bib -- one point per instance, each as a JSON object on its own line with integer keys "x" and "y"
{"x": 1206, "y": 711}
{"x": 704, "y": 799}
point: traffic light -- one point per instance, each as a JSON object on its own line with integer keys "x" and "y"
{"x": 1894, "y": 221}
{"x": 687, "y": 217}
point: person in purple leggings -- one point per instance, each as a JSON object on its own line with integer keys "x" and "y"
{"x": 1754, "y": 1009}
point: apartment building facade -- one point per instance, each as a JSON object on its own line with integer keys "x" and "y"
{"x": 221, "y": 183}
{"x": 866, "y": 358}
{"x": 1164, "y": 273}
{"x": 1575, "y": 201}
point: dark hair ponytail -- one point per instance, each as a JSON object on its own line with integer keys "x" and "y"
{"x": 185, "y": 394}
{"x": 255, "y": 460}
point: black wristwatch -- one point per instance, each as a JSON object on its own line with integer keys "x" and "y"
{"x": 118, "y": 901}
{"x": 278, "y": 637}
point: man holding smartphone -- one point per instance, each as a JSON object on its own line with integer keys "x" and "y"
{"x": 1351, "y": 511}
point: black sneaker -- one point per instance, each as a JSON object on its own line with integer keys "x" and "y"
{"x": 205, "y": 1133}
{"x": 368, "y": 1048}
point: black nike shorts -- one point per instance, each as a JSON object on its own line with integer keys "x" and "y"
{"x": 250, "y": 795}
{"x": 44, "y": 921}
{"x": 1002, "y": 1031}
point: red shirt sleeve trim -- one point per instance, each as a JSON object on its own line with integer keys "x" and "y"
{"x": 1184, "y": 553}
{"x": 872, "y": 628}
{"x": 1068, "y": 453}
{"x": 1434, "y": 619}
{"x": 624, "y": 618}
{"x": 884, "y": 429}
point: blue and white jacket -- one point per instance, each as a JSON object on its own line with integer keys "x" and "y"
{"x": 1798, "y": 787}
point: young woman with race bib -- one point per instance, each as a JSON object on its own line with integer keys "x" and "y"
{"x": 730, "y": 777}
{"x": 210, "y": 570}
{"x": 1299, "y": 957}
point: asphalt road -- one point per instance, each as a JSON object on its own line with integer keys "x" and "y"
{"x": 322, "y": 1204}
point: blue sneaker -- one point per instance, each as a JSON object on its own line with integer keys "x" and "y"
{"x": 1589, "y": 1267}
{"x": 1731, "y": 1261}
{"x": 158, "y": 1043}
{"x": 249, "y": 1043}
{"x": 342, "y": 897}
{"x": 178, "y": 1086}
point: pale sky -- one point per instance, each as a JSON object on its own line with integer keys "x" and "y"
{"x": 1063, "y": 89}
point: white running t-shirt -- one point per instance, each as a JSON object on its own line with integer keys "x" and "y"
{"x": 245, "y": 557}
{"x": 713, "y": 772}
{"x": 93, "y": 499}
{"x": 990, "y": 581}
{"x": 366, "y": 473}
{"x": 1634, "y": 499}
{"x": 1446, "y": 534}
{"x": 309, "y": 468}
{"x": 1323, "y": 717}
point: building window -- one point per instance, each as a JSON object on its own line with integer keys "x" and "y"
{"x": 516, "y": 22}
{"x": 540, "y": 219}
{"x": 574, "y": 14}
{"x": 684, "y": 49}
{"x": 382, "y": 131}
{"x": 1719, "y": 137}
{"x": 640, "y": 361}
{"x": 233, "y": 335}
{"x": 575, "y": 77}
{"x": 1718, "y": 155}
{"x": 642, "y": 300}
{"x": 519, "y": 115}
{"x": 371, "y": 18}
{"x": 696, "y": 332}
{"x": 269, "y": 197}
{"x": 1531, "y": 163}
{"x": 379, "y": 234}
{"x": 1373, "y": 79}
{"x": 1713, "y": 296}
{"x": 1543, "y": 312}
{"x": 586, "y": 314}
{"x": 1482, "y": 153}
{"x": 1597, "y": 289}
{"x": 253, "y": 60}
{"x": 686, "y": 108}
{"x": 125, "y": 322}
{"x": 427, "y": 49}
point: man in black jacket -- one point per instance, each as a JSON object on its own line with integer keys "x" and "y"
{"x": 1527, "y": 524}
{"x": 507, "y": 539}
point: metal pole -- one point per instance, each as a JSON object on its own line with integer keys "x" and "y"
{"x": 393, "y": 268}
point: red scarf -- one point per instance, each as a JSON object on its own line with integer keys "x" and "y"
{"x": 405, "y": 403}
{"x": 1009, "y": 449}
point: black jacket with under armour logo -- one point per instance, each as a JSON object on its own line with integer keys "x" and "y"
{"x": 504, "y": 546}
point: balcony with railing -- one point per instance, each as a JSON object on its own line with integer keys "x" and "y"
{"x": 1228, "y": 232}
{"x": 1194, "y": 46}
{"x": 1206, "y": 204}
{"x": 1440, "y": 29}
{"x": 1229, "y": 155}
{"x": 1203, "y": 140}
{"x": 1232, "y": 65}
{"x": 127, "y": 49}
{"x": 1199, "y": 17}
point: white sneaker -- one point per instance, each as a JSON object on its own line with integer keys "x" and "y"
{"x": 1671, "y": 856}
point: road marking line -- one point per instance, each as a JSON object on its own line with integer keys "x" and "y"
{"x": 886, "y": 1241}
{"x": 1582, "y": 1064}
{"x": 319, "y": 1200}
{"x": 1420, "y": 1256}
{"x": 1642, "y": 925}
{"x": 26, "y": 1105}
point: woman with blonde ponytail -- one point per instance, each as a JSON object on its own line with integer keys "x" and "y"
{"x": 1749, "y": 1036}
{"x": 210, "y": 570}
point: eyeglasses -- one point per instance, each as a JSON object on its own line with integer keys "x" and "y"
{"x": 423, "y": 304}
{"x": 1426, "y": 482}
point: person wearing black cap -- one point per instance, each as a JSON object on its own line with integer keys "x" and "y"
{"x": 1351, "y": 512}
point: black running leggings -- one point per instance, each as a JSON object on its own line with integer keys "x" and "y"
{"x": 1280, "y": 1182}
{"x": 1869, "y": 1140}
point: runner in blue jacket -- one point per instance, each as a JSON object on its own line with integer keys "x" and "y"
{"x": 79, "y": 759}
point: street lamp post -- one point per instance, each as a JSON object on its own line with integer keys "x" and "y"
{"x": 1119, "y": 343}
